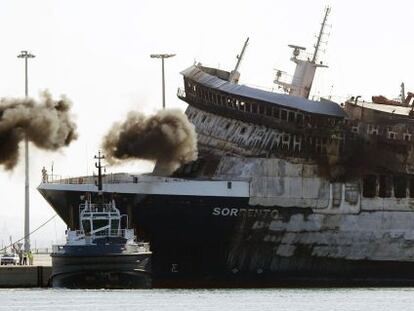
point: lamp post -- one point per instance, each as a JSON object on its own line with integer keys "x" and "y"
{"x": 162, "y": 56}
{"x": 26, "y": 55}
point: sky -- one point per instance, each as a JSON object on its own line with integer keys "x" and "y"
{"x": 96, "y": 52}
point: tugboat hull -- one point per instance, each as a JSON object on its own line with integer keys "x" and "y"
{"x": 114, "y": 271}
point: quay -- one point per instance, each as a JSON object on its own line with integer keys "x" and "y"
{"x": 27, "y": 276}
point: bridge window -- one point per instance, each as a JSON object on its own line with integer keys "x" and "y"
{"x": 276, "y": 112}
{"x": 369, "y": 186}
{"x": 283, "y": 115}
{"x": 221, "y": 100}
{"x": 248, "y": 107}
{"x": 268, "y": 111}
{"x": 254, "y": 108}
{"x": 400, "y": 186}
{"x": 261, "y": 109}
{"x": 291, "y": 116}
{"x": 299, "y": 118}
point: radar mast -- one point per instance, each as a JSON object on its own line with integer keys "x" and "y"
{"x": 305, "y": 70}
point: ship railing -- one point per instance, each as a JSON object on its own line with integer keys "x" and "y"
{"x": 181, "y": 92}
{"x": 124, "y": 178}
{"x": 107, "y": 179}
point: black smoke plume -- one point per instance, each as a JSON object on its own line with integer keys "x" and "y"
{"x": 166, "y": 137}
{"x": 47, "y": 124}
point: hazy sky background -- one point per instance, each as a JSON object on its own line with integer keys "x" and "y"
{"x": 97, "y": 53}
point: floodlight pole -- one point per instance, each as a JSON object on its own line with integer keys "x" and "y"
{"x": 26, "y": 55}
{"x": 162, "y": 56}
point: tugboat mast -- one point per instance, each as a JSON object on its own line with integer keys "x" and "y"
{"x": 99, "y": 167}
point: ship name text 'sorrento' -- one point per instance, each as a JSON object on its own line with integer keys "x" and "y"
{"x": 166, "y": 137}
{"x": 249, "y": 212}
{"x": 47, "y": 124}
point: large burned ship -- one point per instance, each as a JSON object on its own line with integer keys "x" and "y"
{"x": 285, "y": 190}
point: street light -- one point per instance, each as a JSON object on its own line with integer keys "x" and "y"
{"x": 162, "y": 56}
{"x": 26, "y": 55}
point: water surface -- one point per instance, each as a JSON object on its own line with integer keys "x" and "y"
{"x": 377, "y": 299}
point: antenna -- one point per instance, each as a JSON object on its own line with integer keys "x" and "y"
{"x": 321, "y": 33}
{"x": 235, "y": 75}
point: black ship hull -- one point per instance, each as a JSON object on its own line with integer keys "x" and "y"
{"x": 91, "y": 267}
{"x": 225, "y": 242}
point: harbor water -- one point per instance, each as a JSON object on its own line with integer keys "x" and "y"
{"x": 251, "y": 299}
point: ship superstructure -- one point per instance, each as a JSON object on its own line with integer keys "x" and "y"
{"x": 285, "y": 189}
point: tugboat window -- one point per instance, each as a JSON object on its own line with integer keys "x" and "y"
{"x": 384, "y": 187}
{"x": 369, "y": 186}
{"x": 114, "y": 225}
{"x": 411, "y": 187}
{"x": 86, "y": 224}
{"x": 100, "y": 223}
{"x": 400, "y": 187}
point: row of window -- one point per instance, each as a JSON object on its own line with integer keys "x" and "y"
{"x": 389, "y": 132}
{"x": 216, "y": 98}
{"x": 385, "y": 186}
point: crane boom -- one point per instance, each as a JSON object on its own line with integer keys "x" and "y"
{"x": 235, "y": 75}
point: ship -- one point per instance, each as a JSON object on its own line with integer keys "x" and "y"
{"x": 103, "y": 252}
{"x": 286, "y": 190}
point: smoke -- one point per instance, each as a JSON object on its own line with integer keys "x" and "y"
{"x": 47, "y": 124}
{"x": 166, "y": 137}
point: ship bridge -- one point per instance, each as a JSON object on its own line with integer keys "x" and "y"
{"x": 203, "y": 76}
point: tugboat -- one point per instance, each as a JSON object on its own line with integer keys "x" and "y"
{"x": 102, "y": 253}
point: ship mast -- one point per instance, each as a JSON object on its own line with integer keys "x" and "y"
{"x": 235, "y": 74}
{"x": 321, "y": 33}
